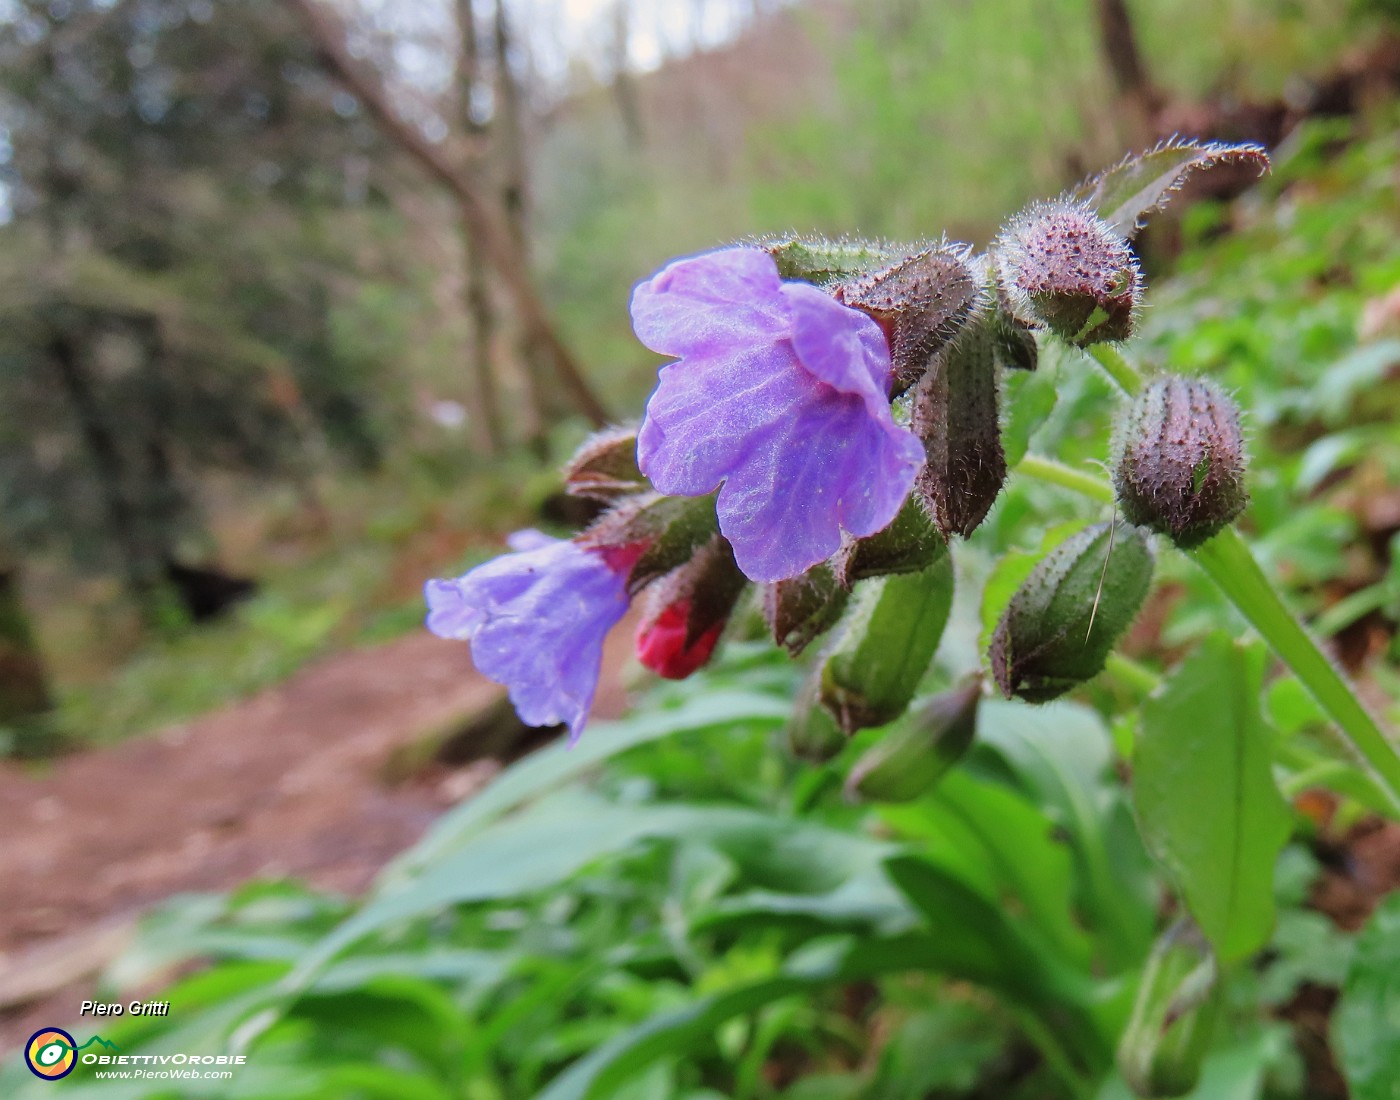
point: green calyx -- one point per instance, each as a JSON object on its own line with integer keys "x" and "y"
{"x": 1063, "y": 621}
{"x": 1169, "y": 1032}
{"x": 915, "y": 754}
{"x": 887, "y": 640}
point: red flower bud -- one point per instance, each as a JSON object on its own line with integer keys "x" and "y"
{"x": 686, "y": 611}
{"x": 663, "y": 647}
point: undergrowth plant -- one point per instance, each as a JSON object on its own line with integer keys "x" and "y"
{"x": 872, "y": 850}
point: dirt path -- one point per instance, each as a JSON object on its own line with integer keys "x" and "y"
{"x": 289, "y": 782}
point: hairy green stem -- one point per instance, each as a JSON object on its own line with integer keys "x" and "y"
{"x": 1139, "y": 679}
{"x": 1067, "y": 477}
{"x": 1117, "y": 367}
{"x": 1228, "y": 561}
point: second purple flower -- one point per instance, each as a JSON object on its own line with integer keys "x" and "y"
{"x": 779, "y": 397}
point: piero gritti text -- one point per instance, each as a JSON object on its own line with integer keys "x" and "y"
{"x": 132, "y": 1008}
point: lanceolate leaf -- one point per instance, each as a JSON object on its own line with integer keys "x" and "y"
{"x": 1144, "y": 183}
{"x": 1205, "y": 793}
{"x": 600, "y": 1074}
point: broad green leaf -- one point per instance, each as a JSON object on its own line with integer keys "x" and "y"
{"x": 978, "y": 934}
{"x": 1061, "y": 755}
{"x": 1031, "y": 863}
{"x": 1145, "y": 182}
{"x": 1366, "y": 1023}
{"x": 1205, "y": 794}
{"x": 599, "y": 1075}
{"x": 1030, "y": 398}
{"x": 555, "y": 765}
{"x": 978, "y": 941}
{"x": 561, "y": 834}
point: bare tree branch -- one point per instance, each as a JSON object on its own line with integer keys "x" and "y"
{"x": 489, "y": 225}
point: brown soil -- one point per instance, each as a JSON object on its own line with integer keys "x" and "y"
{"x": 295, "y": 781}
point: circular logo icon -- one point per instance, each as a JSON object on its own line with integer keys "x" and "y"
{"x": 50, "y": 1053}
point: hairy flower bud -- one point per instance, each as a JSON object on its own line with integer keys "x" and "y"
{"x": 887, "y": 640}
{"x": 1063, "y": 268}
{"x": 955, "y": 414}
{"x": 1180, "y": 460}
{"x": 823, "y": 262}
{"x": 919, "y": 751}
{"x": 687, "y": 610}
{"x": 801, "y": 609}
{"x": 907, "y": 545}
{"x": 653, "y": 534}
{"x": 1059, "y": 627}
{"x": 605, "y": 466}
{"x": 1169, "y": 1032}
{"x": 921, "y": 300}
{"x": 812, "y": 732}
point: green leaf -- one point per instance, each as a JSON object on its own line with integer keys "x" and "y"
{"x": 1232, "y": 1073}
{"x": 1205, "y": 793}
{"x": 1366, "y": 1023}
{"x": 600, "y": 1074}
{"x": 1030, "y": 399}
{"x": 977, "y": 940}
{"x": 1061, "y": 756}
{"x": 982, "y": 944}
{"x": 554, "y": 766}
{"x": 562, "y": 834}
{"x": 1144, "y": 183}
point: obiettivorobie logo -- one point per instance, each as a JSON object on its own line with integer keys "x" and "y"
{"x": 52, "y": 1053}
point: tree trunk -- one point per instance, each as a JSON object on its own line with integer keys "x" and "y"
{"x": 1126, "y": 66}
{"x": 24, "y": 683}
{"x": 485, "y": 403}
{"x": 140, "y": 567}
{"x": 25, "y": 698}
{"x": 624, "y": 87}
{"x": 508, "y": 145}
{"x": 488, "y": 222}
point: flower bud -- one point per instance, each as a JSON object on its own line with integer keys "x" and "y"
{"x": 955, "y": 414}
{"x": 823, "y": 262}
{"x": 652, "y": 534}
{"x": 605, "y": 466}
{"x": 907, "y": 545}
{"x": 1180, "y": 460}
{"x": 918, "y": 752}
{"x": 1060, "y": 625}
{"x": 887, "y": 640}
{"x": 802, "y": 608}
{"x": 1063, "y": 268}
{"x": 686, "y": 611}
{"x": 1169, "y": 1032}
{"x": 922, "y": 301}
{"x": 812, "y": 732}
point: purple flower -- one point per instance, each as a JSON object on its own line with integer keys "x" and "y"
{"x": 536, "y": 620}
{"x": 780, "y": 396}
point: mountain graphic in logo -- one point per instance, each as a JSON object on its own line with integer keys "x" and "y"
{"x": 100, "y": 1042}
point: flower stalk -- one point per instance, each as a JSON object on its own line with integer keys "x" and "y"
{"x": 1227, "y": 560}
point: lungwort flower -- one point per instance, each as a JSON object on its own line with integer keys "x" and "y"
{"x": 536, "y": 620}
{"x": 780, "y": 398}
